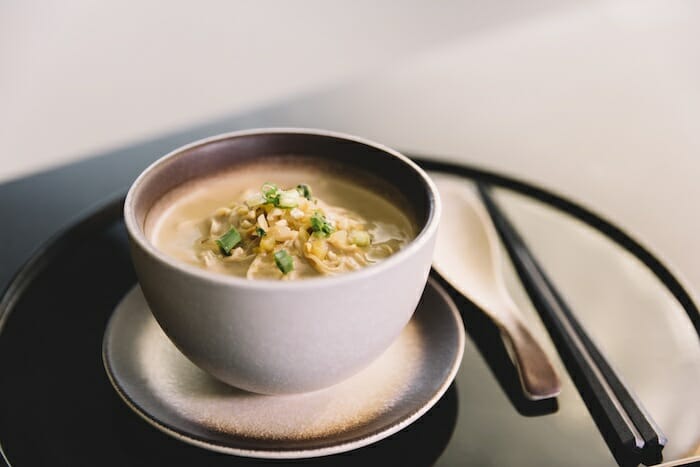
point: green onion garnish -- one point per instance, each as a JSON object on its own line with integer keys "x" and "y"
{"x": 320, "y": 225}
{"x": 271, "y": 193}
{"x": 359, "y": 237}
{"x": 304, "y": 190}
{"x": 288, "y": 199}
{"x": 261, "y": 232}
{"x": 256, "y": 200}
{"x": 229, "y": 240}
{"x": 268, "y": 188}
{"x": 283, "y": 261}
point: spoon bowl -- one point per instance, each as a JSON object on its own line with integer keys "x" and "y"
{"x": 468, "y": 257}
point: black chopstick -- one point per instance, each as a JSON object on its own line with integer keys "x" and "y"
{"x": 629, "y": 424}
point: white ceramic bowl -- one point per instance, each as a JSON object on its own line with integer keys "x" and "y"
{"x": 278, "y": 337}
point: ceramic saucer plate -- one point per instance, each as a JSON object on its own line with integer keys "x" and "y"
{"x": 168, "y": 391}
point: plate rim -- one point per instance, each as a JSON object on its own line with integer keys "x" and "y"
{"x": 288, "y": 454}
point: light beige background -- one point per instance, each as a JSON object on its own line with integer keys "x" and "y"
{"x": 78, "y": 77}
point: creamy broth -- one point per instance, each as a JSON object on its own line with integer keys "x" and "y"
{"x": 343, "y": 226}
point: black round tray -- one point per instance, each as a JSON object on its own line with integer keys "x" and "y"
{"x": 58, "y": 408}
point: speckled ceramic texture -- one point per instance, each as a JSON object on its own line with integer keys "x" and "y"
{"x": 283, "y": 337}
{"x": 177, "y": 397}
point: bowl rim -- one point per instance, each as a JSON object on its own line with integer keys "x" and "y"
{"x": 137, "y": 234}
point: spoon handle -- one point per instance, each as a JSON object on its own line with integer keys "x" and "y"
{"x": 538, "y": 377}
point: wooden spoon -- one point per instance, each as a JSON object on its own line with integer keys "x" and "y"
{"x": 468, "y": 257}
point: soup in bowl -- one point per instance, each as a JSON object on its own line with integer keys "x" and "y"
{"x": 284, "y": 260}
{"x": 312, "y": 221}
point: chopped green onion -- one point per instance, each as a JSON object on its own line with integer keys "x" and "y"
{"x": 304, "y": 190}
{"x": 261, "y": 232}
{"x": 268, "y": 188}
{"x": 284, "y": 262}
{"x": 320, "y": 225}
{"x": 256, "y": 200}
{"x": 359, "y": 237}
{"x": 288, "y": 199}
{"x": 229, "y": 240}
{"x": 271, "y": 193}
